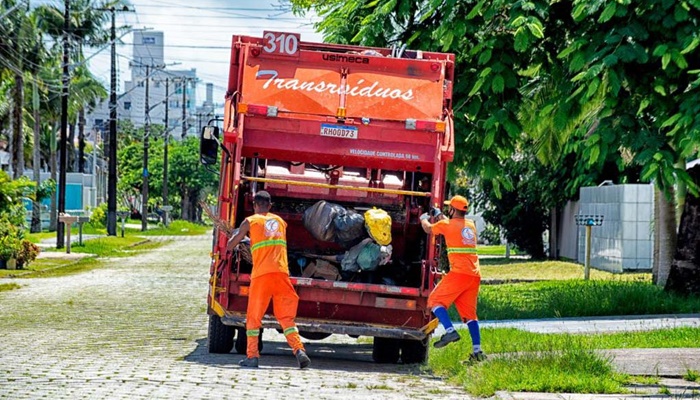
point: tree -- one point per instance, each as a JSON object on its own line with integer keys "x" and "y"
{"x": 626, "y": 78}
{"x": 87, "y": 93}
{"x": 684, "y": 276}
{"x": 508, "y": 95}
{"x": 87, "y": 29}
{"x": 191, "y": 180}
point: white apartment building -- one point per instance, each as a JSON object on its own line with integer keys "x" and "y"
{"x": 148, "y": 55}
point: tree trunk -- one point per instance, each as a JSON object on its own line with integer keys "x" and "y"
{"x": 553, "y": 234}
{"x": 684, "y": 276}
{"x": 81, "y": 141}
{"x": 184, "y": 210}
{"x": 665, "y": 235}
{"x": 36, "y": 161}
{"x": 71, "y": 165}
{"x": 17, "y": 137}
{"x": 195, "y": 210}
{"x": 53, "y": 221}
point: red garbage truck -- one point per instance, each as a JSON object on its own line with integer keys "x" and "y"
{"x": 357, "y": 127}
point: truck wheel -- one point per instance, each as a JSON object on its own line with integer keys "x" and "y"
{"x": 414, "y": 351}
{"x": 220, "y": 337}
{"x": 242, "y": 341}
{"x": 314, "y": 335}
{"x": 385, "y": 350}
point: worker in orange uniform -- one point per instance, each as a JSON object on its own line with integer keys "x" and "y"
{"x": 461, "y": 284}
{"x": 269, "y": 279}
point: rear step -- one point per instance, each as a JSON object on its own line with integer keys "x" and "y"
{"x": 348, "y": 328}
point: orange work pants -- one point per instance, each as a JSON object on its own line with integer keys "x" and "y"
{"x": 277, "y": 287}
{"x": 460, "y": 289}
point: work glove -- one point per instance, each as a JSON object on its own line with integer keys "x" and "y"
{"x": 424, "y": 216}
{"x": 435, "y": 212}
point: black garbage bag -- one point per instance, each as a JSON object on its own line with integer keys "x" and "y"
{"x": 349, "y": 228}
{"x": 318, "y": 220}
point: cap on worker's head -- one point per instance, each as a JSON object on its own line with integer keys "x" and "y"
{"x": 262, "y": 197}
{"x": 458, "y": 203}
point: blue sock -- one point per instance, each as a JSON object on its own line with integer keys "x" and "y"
{"x": 473, "y": 326}
{"x": 444, "y": 318}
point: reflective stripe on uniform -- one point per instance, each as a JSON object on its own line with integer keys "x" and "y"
{"x": 265, "y": 243}
{"x": 291, "y": 330}
{"x": 468, "y": 250}
{"x": 252, "y": 332}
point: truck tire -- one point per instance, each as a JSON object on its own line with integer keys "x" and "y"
{"x": 220, "y": 336}
{"x": 314, "y": 335}
{"x": 414, "y": 351}
{"x": 242, "y": 341}
{"x": 385, "y": 350}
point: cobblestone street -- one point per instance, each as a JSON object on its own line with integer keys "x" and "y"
{"x": 136, "y": 328}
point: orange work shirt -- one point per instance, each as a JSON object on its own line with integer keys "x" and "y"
{"x": 268, "y": 243}
{"x": 460, "y": 237}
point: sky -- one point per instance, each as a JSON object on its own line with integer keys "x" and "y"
{"x": 197, "y": 34}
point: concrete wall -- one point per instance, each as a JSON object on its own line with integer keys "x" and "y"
{"x": 625, "y": 241}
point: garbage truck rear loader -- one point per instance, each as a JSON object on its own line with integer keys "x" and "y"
{"x": 358, "y": 128}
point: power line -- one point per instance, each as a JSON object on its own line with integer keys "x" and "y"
{"x": 208, "y": 8}
{"x": 233, "y": 16}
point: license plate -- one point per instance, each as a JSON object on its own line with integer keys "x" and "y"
{"x": 339, "y": 131}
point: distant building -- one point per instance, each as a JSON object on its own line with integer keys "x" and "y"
{"x": 148, "y": 54}
{"x": 208, "y": 110}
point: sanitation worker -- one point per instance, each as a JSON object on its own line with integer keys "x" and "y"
{"x": 461, "y": 284}
{"x": 269, "y": 279}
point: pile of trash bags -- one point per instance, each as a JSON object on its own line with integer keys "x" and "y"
{"x": 367, "y": 239}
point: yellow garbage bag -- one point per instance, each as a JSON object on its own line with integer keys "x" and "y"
{"x": 378, "y": 224}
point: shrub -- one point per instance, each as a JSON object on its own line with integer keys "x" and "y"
{"x": 27, "y": 253}
{"x": 491, "y": 234}
{"x": 10, "y": 239}
{"x": 98, "y": 217}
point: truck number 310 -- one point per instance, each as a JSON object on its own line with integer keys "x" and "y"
{"x": 286, "y": 44}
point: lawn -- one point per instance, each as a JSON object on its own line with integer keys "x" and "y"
{"x": 175, "y": 228}
{"x": 516, "y": 269}
{"x": 496, "y": 250}
{"x": 559, "y": 363}
{"x": 98, "y": 249}
{"x": 556, "y": 363}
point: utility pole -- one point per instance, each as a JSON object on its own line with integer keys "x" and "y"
{"x": 166, "y": 141}
{"x": 184, "y": 107}
{"x": 112, "y": 142}
{"x": 64, "y": 126}
{"x": 146, "y": 127}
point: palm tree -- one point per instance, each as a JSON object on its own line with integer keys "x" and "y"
{"x": 88, "y": 92}
{"x": 88, "y": 19}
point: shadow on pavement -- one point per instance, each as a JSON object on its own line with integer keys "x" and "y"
{"x": 348, "y": 357}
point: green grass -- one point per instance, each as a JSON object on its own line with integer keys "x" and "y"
{"x": 109, "y": 246}
{"x": 507, "y": 340}
{"x": 692, "y": 375}
{"x": 175, "y": 228}
{"x": 39, "y": 236}
{"x": 511, "y": 269}
{"x": 97, "y": 248}
{"x": 554, "y": 364}
{"x": 496, "y": 250}
{"x": 578, "y": 298}
{"x": 8, "y": 286}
